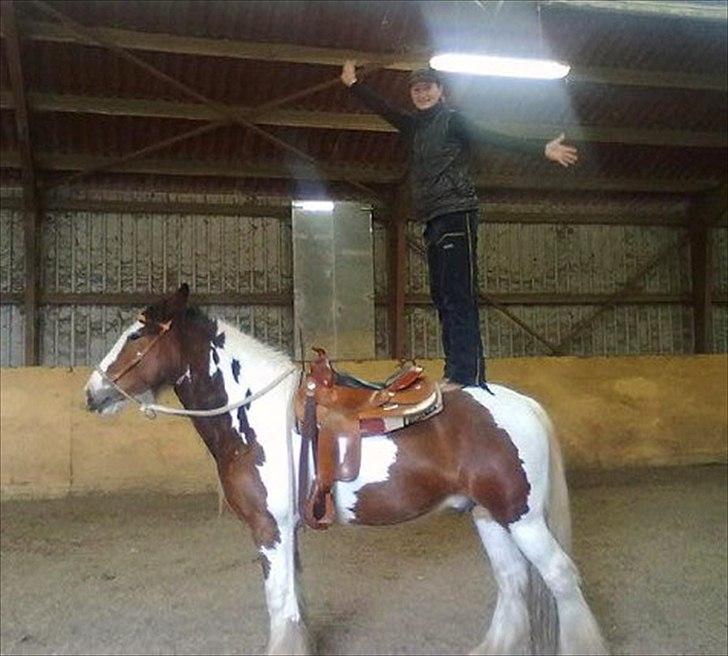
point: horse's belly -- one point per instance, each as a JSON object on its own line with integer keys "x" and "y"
{"x": 378, "y": 454}
{"x": 385, "y": 492}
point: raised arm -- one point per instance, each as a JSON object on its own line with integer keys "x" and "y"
{"x": 465, "y": 129}
{"x": 402, "y": 121}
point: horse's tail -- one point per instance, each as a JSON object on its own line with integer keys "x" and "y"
{"x": 541, "y": 603}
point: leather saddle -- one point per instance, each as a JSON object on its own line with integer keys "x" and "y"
{"x": 336, "y": 410}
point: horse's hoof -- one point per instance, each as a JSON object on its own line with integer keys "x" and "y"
{"x": 292, "y": 639}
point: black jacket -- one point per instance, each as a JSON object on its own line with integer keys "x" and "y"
{"x": 440, "y": 142}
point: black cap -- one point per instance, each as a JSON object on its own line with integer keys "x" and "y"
{"x": 424, "y": 75}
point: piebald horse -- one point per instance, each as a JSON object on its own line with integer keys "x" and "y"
{"x": 492, "y": 454}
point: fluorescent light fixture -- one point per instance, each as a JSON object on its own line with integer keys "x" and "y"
{"x": 542, "y": 69}
{"x": 315, "y": 205}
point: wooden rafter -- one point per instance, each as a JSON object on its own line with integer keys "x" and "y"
{"x": 252, "y": 114}
{"x": 684, "y": 9}
{"x": 49, "y": 102}
{"x": 291, "y": 53}
{"x": 225, "y": 112}
{"x": 356, "y": 171}
{"x": 31, "y": 199}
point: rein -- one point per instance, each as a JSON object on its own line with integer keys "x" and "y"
{"x": 150, "y": 410}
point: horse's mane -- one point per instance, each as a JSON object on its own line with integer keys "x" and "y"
{"x": 195, "y": 315}
{"x": 236, "y": 339}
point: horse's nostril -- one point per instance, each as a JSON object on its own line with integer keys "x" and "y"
{"x": 90, "y": 403}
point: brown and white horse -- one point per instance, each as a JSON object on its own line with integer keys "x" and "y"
{"x": 492, "y": 454}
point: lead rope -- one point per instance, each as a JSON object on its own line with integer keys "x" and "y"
{"x": 150, "y": 410}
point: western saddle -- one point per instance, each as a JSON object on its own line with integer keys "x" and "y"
{"x": 335, "y": 410}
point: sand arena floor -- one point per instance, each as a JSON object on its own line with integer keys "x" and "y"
{"x": 157, "y": 574}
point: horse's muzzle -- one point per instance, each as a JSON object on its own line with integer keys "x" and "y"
{"x": 91, "y": 403}
{"x": 100, "y": 402}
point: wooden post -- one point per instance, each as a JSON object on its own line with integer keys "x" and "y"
{"x": 31, "y": 201}
{"x": 704, "y": 214}
{"x": 397, "y": 228}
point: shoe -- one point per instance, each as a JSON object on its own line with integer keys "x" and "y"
{"x": 447, "y": 385}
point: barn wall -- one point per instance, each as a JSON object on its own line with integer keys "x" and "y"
{"x": 12, "y": 277}
{"x": 613, "y": 412}
{"x": 117, "y": 252}
{"x": 544, "y": 258}
{"x": 85, "y": 252}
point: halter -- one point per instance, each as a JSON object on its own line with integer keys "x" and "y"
{"x": 150, "y": 410}
{"x": 163, "y": 329}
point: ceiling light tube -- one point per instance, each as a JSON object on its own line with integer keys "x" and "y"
{"x": 541, "y": 69}
{"x": 315, "y": 205}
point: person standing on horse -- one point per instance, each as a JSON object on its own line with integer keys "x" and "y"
{"x": 444, "y": 197}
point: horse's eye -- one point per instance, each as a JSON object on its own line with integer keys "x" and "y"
{"x": 134, "y": 335}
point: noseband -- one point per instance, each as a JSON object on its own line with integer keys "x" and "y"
{"x": 163, "y": 329}
{"x": 112, "y": 380}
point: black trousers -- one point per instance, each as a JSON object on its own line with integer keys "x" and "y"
{"x": 452, "y": 246}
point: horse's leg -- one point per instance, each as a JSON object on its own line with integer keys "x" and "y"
{"x": 273, "y": 529}
{"x": 578, "y": 630}
{"x": 288, "y": 633}
{"x": 509, "y": 628}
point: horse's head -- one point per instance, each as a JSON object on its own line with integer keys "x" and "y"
{"x": 144, "y": 359}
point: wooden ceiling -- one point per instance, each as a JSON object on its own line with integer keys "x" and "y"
{"x": 221, "y": 91}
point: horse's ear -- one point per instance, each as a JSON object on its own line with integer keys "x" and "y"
{"x": 178, "y": 302}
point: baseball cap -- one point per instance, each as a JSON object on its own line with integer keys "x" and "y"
{"x": 424, "y": 75}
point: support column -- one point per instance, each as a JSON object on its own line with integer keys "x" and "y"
{"x": 704, "y": 215}
{"x": 31, "y": 200}
{"x": 399, "y": 214}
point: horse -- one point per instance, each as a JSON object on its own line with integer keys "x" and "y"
{"x": 488, "y": 452}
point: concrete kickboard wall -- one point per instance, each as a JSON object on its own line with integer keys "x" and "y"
{"x": 608, "y": 413}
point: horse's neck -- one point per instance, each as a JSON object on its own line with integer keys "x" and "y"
{"x": 230, "y": 368}
{"x": 251, "y": 365}
{"x": 225, "y": 369}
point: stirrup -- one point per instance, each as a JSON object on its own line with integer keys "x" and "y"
{"x": 319, "y": 512}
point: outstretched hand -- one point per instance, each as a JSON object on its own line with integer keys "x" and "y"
{"x": 348, "y": 72}
{"x": 556, "y": 151}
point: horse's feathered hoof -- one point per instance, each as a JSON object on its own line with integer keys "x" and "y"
{"x": 291, "y": 639}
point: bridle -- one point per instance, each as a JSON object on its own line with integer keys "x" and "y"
{"x": 163, "y": 330}
{"x": 150, "y": 410}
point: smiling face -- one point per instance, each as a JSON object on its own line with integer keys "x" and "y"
{"x": 425, "y": 94}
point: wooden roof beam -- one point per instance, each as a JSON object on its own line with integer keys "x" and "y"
{"x": 356, "y": 171}
{"x": 531, "y": 214}
{"x": 716, "y": 11}
{"x": 107, "y": 106}
{"x": 296, "y": 54}
{"x": 224, "y": 112}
